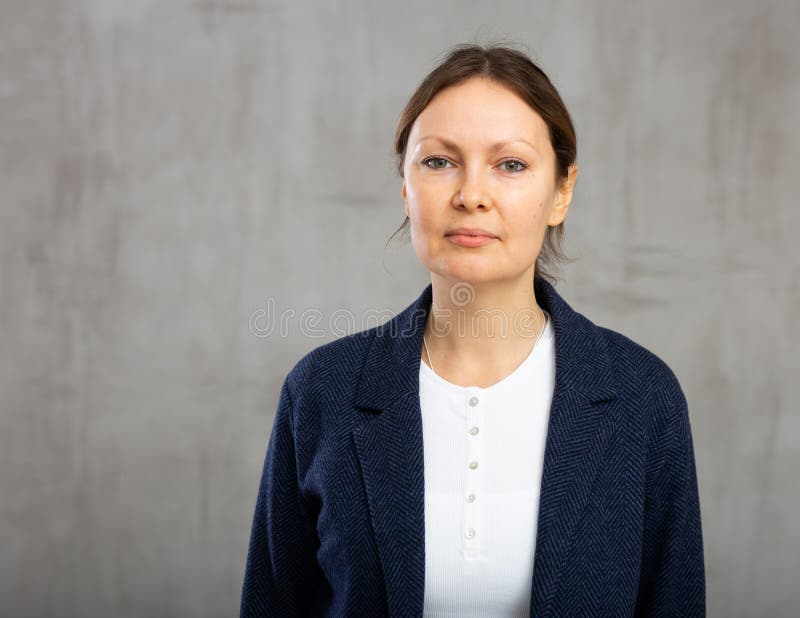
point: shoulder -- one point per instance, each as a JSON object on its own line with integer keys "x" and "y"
{"x": 648, "y": 386}
{"x": 331, "y": 365}
{"x": 638, "y": 368}
{"x": 320, "y": 385}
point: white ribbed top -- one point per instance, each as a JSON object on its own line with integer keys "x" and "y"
{"x": 484, "y": 449}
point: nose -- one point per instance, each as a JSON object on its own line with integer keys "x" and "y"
{"x": 473, "y": 190}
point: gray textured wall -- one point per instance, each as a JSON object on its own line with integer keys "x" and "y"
{"x": 169, "y": 167}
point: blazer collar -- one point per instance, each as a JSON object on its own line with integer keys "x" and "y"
{"x": 390, "y": 447}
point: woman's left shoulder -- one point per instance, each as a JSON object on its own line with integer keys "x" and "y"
{"x": 641, "y": 375}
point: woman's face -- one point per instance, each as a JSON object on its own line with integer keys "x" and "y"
{"x": 478, "y": 156}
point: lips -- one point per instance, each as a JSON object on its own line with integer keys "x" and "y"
{"x": 475, "y": 238}
{"x": 471, "y": 231}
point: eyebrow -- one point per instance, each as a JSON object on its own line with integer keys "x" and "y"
{"x": 496, "y": 146}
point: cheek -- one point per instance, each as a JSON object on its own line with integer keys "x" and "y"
{"x": 530, "y": 217}
{"x": 527, "y": 228}
{"x": 425, "y": 226}
{"x": 425, "y": 205}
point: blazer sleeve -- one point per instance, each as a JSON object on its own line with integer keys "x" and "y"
{"x": 672, "y": 580}
{"x": 281, "y": 574}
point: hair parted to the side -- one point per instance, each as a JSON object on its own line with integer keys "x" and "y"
{"x": 518, "y": 72}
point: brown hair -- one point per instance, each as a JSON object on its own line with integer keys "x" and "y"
{"x": 518, "y": 72}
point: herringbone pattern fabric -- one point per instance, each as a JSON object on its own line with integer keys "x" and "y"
{"x": 338, "y": 528}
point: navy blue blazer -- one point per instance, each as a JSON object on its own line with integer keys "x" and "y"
{"x": 339, "y": 524}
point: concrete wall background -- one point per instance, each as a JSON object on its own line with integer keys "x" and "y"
{"x": 169, "y": 167}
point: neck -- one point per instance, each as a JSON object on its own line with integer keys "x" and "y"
{"x": 477, "y": 331}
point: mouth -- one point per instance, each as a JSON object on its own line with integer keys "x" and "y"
{"x": 470, "y": 236}
{"x": 471, "y": 240}
{"x": 471, "y": 231}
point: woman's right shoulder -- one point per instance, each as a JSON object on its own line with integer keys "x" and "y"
{"x": 332, "y": 363}
{"x": 323, "y": 384}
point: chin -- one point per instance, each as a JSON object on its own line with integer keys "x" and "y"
{"x": 470, "y": 271}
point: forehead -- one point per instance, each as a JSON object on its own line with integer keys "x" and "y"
{"x": 480, "y": 111}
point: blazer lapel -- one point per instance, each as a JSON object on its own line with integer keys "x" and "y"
{"x": 390, "y": 450}
{"x": 577, "y": 435}
{"x": 389, "y": 446}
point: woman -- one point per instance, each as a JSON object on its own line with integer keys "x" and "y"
{"x": 556, "y": 475}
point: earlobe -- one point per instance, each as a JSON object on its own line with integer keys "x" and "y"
{"x": 557, "y": 215}
{"x": 564, "y": 197}
{"x": 559, "y": 211}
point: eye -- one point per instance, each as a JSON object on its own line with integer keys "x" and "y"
{"x": 520, "y": 166}
{"x": 434, "y": 159}
{"x": 441, "y": 163}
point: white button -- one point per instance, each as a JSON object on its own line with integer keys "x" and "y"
{"x": 473, "y": 401}
{"x": 473, "y": 431}
{"x": 471, "y": 498}
{"x": 473, "y": 465}
{"x": 470, "y": 533}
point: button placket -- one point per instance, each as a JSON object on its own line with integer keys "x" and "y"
{"x": 471, "y": 532}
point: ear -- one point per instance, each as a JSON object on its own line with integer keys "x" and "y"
{"x": 563, "y": 197}
{"x": 403, "y": 194}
